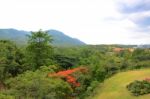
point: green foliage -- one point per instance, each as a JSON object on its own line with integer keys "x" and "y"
{"x": 4, "y": 96}
{"x": 10, "y": 59}
{"x": 39, "y": 49}
{"x": 141, "y": 55}
{"x": 84, "y": 79}
{"x": 102, "y": 63}
{"x": 38, "y": 85}
{"x": 100, "y": 60}
{"x": 139, "y": 87}
{"x": 64, "y": 61}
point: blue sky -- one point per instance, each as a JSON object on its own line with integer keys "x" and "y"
{"x": 92, "y": 21}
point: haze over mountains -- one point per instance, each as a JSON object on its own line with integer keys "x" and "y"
{"x": 19, "y": 36}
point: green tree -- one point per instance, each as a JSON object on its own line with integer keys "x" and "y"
{"x": 65, "y": 61}
{"x": 10, "y": 59}
{"x": 39, "y": 49}
{"x": 36, "y": 85}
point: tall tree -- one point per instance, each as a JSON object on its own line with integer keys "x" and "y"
{"x": 39, "y": 49}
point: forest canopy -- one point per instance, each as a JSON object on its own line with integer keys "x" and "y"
{"x": 76, "y": 70}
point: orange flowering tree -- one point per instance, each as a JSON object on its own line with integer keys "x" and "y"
{"x": 68, "y": 75}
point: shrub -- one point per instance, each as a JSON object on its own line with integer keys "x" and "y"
{"x": 5, "y": 96}
{"x": 35, "y": 85}
{"x": 139, "y": 87}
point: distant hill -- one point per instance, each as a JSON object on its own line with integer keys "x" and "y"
{"x": 14, "y": 35}
{"x": 144, "y": 46}
{"x": 59, "y": 38}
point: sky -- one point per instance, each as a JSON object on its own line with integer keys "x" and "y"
{"x": 91, "y": 21}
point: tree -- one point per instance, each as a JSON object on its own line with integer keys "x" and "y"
{"x": 39, "y": 49}
{"x": 65, "y": 61}
{"x": 35, "y": 85}
{"x": 10, "y": 59}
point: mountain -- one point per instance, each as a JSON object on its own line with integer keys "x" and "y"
{"x": 14, "y": 35}
{"x": 59, "y": 38}
{"x": 143, "y": 46}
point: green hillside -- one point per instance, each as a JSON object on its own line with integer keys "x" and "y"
{"x": 62, "y": 39}
{"x": 59, "y": 38}
{"x": 115, "y": 87}
{"x": 14, "y": 35}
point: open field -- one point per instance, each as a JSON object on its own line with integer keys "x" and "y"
{"x": 115, "y": 87}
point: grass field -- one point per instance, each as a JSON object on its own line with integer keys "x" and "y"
{"x": 115, "y": 87}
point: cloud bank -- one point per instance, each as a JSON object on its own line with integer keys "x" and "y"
{"x": 92, "y": 21}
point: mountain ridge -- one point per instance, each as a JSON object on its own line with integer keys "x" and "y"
{"x": 19, "y": 36}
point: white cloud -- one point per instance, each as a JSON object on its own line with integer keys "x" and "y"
{"x": 138, "y": 15}
{"x": 93, "y": 21}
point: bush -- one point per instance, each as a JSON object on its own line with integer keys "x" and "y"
{"x": 4, "y": 96}
{"x": 139, "y": 87}
{"x": 35, "y": 85}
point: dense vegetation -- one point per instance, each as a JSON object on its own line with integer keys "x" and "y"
{"x": 139, "y": 87}
{"x": 24, "y": 70}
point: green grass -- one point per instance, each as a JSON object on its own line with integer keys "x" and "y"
{"x": 115, "y": 87}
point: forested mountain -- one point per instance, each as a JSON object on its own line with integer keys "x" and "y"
{"x": 13, "y": 34}
{"x": 59, "y": 38}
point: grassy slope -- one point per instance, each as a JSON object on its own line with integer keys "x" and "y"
{"x": 115, "y": 87}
